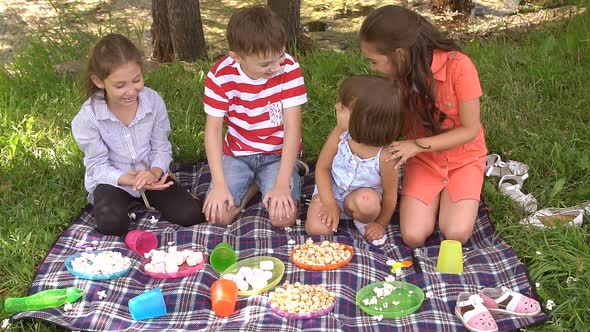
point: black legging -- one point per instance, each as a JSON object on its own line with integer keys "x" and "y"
{"x": 111, "y": 207}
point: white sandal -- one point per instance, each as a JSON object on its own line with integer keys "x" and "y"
{"x": 527, "y": 201}
{"x": 496, "y": 167}
{"x": 551, "y": 217}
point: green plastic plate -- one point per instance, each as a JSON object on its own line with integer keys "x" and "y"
{"x": 404, "y": 300}
{"x": 252, "y": 262}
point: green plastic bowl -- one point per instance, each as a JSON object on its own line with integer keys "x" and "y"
{"x": 252, "y": 262}
{"x": 408, "y": 302}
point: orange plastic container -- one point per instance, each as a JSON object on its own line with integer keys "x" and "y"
{"x": 323, "y": 267}
{"x": 224, "y": 295}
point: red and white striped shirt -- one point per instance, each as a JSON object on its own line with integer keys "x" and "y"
{"x": 253, "y": 109}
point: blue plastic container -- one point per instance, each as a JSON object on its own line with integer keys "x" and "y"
{"x": 148, "y": 305}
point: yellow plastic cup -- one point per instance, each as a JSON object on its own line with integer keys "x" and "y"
{"x": 450, "y": 257}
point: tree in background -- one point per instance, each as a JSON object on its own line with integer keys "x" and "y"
{"x": 177, "y": 30}
{"x": 462, "y": 6}
{"x": 290, "y": 12}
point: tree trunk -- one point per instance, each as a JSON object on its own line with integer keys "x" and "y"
{"x": 290, "y": 12}
{"x": 163, "y": 50}
{"x": 462, "y": 6}
{"x": 177, "y": 30}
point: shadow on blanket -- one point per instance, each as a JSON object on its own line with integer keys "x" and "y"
{"x": 489, "y": 262}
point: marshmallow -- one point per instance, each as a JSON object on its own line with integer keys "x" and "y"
{"x": 229, "y": 276}
{"x": 246, "y": 272}
{"x": 242, "y": 285}
{"x": 191, "y": 261}
{"x": 267, "y": 275}
{"x": 199, "y": 256}
{"x": 179, "y": 258}
{"x": 171, "y": 268}
{"x": 267, "y": 265}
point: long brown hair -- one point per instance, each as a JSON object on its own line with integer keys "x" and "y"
{"x": 377, "y": 108}
{"x": 391, "y": 27}
{"x": 110, "y": 52}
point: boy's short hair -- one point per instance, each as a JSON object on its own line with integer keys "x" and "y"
{"x": 256, "y": 30}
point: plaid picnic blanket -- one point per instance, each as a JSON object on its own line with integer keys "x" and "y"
{"x": 489, "y": 262}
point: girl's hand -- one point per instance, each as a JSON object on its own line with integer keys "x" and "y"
{"x": 142, "y": 178}
{"x": 217, "y": 203}
{"x": 279, "y": 203}
{"x": 374, "y": 231}
{"x": 330, "y": 214}
{"x": 402, "y": 150}
{"x": 159, "y": 185}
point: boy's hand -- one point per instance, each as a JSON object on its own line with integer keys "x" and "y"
{"x": 374, "y": 231}
{"x": 330, "y": 214}
{"x": 217, "y": 203}
{"x": 159, "y": 185}
{"x": 279, "y": 203}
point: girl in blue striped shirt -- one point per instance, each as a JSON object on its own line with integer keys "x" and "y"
{"x": 122, "y": 130}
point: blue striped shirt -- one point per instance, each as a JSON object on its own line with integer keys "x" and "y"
{"x": 110, "y": 147}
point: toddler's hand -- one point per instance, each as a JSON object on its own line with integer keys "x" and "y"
{"x": 217, "y": 203}
{"x": 330, "y": 214}
{"x": 279, "y": 203}
{"x": 374, "y": 231}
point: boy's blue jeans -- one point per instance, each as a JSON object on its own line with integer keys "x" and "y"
{"x": 241, "y": 171}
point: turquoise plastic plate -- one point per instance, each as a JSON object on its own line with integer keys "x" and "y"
{"x": 93, "y": 276}
{"x": 403, "y": 300}
{"x": 252, "y": 262}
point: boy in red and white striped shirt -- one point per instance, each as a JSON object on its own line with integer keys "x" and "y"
{"x": 257, "y": 90}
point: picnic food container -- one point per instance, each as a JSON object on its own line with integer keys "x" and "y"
{"x": 222, "y": 257}
{"x": 141, "y": 242}
{"x": 301, "y": 301}
{"x": 183, "y": 270}
{"x": 50, "y": 298}
{"x": 322, "y": 267}
{"x": 254, "y": 262}
{"x": 148, "y": 305}
{"x": 224, "y": 295}
{"x": 93, "y": 276}
{"x": 450, "y": 257}
{"x": 404, "y": 299}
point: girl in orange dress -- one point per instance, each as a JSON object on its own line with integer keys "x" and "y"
{"x": 445, "y": 146}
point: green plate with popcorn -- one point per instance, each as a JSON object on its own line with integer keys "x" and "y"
{"x": 392, "y": 299}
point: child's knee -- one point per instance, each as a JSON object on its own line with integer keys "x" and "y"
{"x": 414, "y": 238}
{"x": 284, "y": 222}
{"x": 317, "y": 228}
{"x": 187, "y": 216}
{"x": 114, "y": 223}
{"x": 367, "y": 204}
{"x": 461, "y": 235}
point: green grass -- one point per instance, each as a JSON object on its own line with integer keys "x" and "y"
{"x": 534, "y": 109}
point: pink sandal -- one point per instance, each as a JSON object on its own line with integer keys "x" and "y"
{"x": 474, "y": 315}
{"x": 505, "y": 301}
